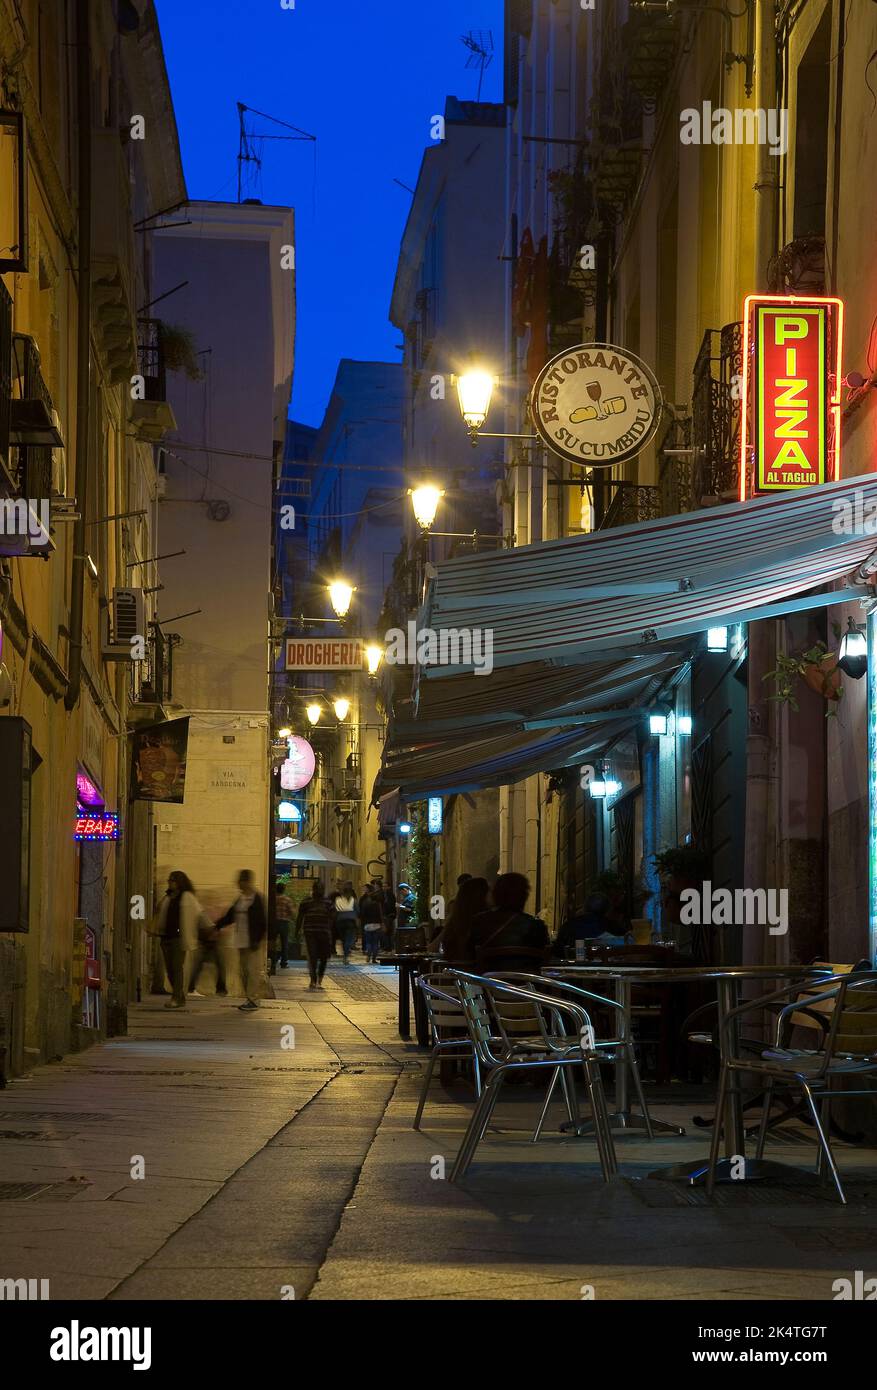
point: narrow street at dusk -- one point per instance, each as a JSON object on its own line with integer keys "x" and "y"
{"x": 438, "y": 684}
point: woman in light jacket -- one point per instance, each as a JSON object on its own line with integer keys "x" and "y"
{"x": 178, "y": 919}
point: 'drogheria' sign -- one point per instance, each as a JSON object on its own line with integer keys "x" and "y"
{"x": 596, "y": 404}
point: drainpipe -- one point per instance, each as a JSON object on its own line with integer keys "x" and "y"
{"x": 83, "y": 336}
{"x": 760, "y": 863}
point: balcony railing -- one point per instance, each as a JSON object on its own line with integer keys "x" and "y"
{"x": 32, "y": 466}
{"x": 715, "y": 410}
{"x": 676, "y": 469}
{"x": 150, "y": 357}
{"x": 5, "y": 372}
{"x": 631, "y": 504}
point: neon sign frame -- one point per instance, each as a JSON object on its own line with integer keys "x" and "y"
{"x": 832, "y": 335}
{"x": 86, "y": 827}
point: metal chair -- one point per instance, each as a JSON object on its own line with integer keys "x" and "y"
{"x": 619, "y": 1050}
{"x": 850, "y": 1049}
{"x": 484, "y": 1001}
{"x": 444, "y": 1011}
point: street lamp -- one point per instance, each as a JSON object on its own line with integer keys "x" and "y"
{"x": 474, "y": 390}
{"x": 374, "y": 655}
{"x": 313, "y": 713}
{"x": 425, "y": 500}
{"x": 341, "y": 706}
{"x": 717, "y": 639}
{"x": 284, "y": 734}
{"x": 340, "y": 594}
{"x": 853, "y": 655}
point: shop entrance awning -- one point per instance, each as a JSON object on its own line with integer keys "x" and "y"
{"x": 616, "y": 592}
{"x": 586, "y": 629}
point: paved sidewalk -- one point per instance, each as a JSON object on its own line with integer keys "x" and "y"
{"x": 270, "y": 1168}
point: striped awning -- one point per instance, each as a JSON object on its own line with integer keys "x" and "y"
{"x": 586, "y": 629}
{"x": 617, "y": 592}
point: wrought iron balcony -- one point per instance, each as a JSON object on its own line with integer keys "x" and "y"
{"x": 715, "y": 410}
{"x": 5, "y": 373}
{"x": 150, "y": 357}
{"x": 631, "y": 504}
{"x": 33, "y": 422}
{"x": 651, "y": 42}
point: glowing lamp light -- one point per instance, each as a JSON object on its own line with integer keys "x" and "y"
{"x": 853, "y": 656}
{"x": 340, "y": 594}
{"x": 425, "y": 502}
{"x": 474, "y": 390}
{"x": 374, "y": 655}
{"x": 658, "y": 723}
{"x": 287, "y": 810}
{"x": 684, "y": 725}
{"x": 313, "y": 713}
{"x": 597, "y": 788}
{"x": 341, "y": 706}
{"x": 404, "y": 827}
{"x": 612, "y": 788}
{"x": 717, "y": 639}
{"x": 284, "y": 734}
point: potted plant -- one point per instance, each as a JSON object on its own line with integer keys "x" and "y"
{"x": 817, "y": 667}
{"x": 179, "y": 351}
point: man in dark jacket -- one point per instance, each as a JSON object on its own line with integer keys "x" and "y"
{"x": 371, "y": 915}
{"x": 316, "y": 921}
{"x": 507, "y": 937}
{"x": 250, "y": 920}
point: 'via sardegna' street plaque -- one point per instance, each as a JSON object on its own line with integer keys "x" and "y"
{"x": 596, "y": 405}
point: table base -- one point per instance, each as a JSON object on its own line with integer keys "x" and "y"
{"x": 622, "y": 1121}
{"x": 727, "y": 1171}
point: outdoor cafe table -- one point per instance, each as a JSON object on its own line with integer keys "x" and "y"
{"x": 729, "y": 981}
{"x": 411, "y": 964}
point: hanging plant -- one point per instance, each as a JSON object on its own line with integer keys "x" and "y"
{"x": 817, "y": 667}
{"x": 179, "y": 351}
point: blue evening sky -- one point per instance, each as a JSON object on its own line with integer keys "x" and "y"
{"x": 365, "y": 77}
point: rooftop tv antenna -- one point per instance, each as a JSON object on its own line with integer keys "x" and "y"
{"x": 250, "y": 146}
{"x": 480, "y": 45}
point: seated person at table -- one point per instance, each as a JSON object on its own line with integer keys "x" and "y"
{"x": 455, "y": 938}
{"x": 593, "y": 924}
{"x": 508, "y": 938}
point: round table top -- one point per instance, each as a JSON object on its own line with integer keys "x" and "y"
{"x": 692, "y": 972}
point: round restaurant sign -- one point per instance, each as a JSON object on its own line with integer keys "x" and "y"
{"x": 596, "y": 404}
{"x": 299, "y": 767}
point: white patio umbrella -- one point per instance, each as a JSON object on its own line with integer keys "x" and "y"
{"x": 292, "y": 851}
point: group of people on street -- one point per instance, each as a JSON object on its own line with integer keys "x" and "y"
{"x": 340, "y": 916}
{"x": 189, "y": 937}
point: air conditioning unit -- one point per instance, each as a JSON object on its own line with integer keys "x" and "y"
{"x": 124, "y": 618}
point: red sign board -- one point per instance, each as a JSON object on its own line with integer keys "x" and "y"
{"x": 791, "y": 409}
{"x": 324, "y": 654}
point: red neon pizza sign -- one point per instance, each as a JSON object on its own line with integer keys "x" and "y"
{"x": 790, "y": 435}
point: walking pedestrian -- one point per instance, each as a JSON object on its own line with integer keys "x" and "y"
{"x": 208, "y": 951}
{"x": 388, "y": 908}
{"x": 315, "y": 921}
{"x": 250, "y": 920}
{"x": 371, "y": 916}
{"x": 347, "y": 919}
{"x": 283, "y": 913}
{"x": 178, "y": 929}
